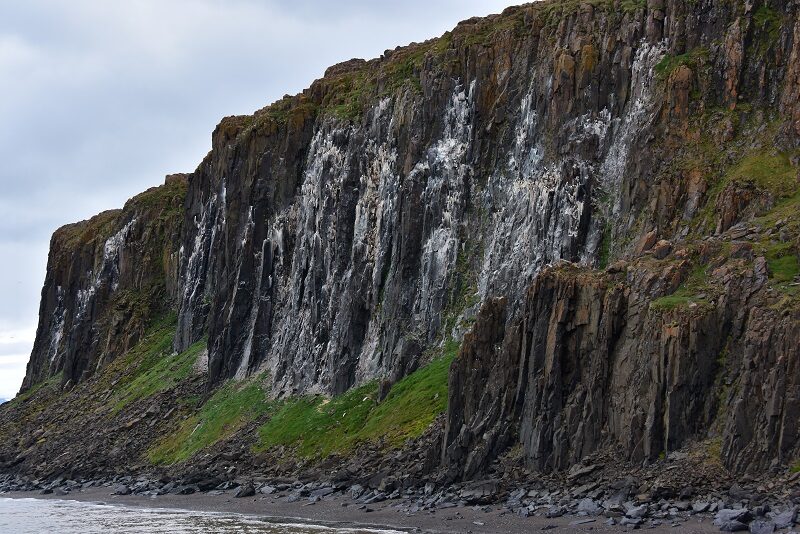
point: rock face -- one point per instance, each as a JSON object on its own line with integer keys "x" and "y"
{"x": 335, "y": 236}
{"x": 333, "y": 247}
{"x": 591, "y": 361}
{"x": 106, "y": 278}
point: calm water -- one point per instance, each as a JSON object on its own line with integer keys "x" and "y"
{"x": 35, "y": 516}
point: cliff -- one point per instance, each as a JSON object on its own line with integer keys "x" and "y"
{"x": 106, "y": 278}
{"x": 602, "y": 195}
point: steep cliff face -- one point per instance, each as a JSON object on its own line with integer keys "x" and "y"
{"x": 107, "y": 278}
{"x": 334, "y": 235}
{"x": 337, "y": 236}
{"x": 343, "y": 234}
{"x": 603, "y": 359}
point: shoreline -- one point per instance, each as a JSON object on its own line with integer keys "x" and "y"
{"x": 338, "y": 511}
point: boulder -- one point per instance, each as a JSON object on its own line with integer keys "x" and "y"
{"x": 245, "y": 490}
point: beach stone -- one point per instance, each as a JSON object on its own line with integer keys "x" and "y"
{"x": 481, "y": 492}
{"x": 121, "y": 489}
{"x": 762, "y": 527}
{"x": 245, "y": 490}
{"x": 578, "y": 471}
{"x": 731, "y": 514}
{"x": 589, "y": 507}
{"x": 554, "y": 511}
{"x": 637, "y": 512}
{"x": 733, "y": 526}
{"x": 378, "y": 497}
{"x": 785, "y": 519}
{"x": 699, "y": 507}
{"x": 356, "y": 491}
{"x": 322, "y": 492}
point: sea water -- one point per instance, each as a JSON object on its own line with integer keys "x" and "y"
{"x": 35, "y": 516}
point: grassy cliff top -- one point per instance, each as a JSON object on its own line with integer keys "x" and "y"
{"x": 348, "y": 88}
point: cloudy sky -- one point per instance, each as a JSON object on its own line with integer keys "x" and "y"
{"x": 99, "y": 99}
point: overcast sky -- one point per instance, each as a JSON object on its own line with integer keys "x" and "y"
{"x": 99, "y": 99}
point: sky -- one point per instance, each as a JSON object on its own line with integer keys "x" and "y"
{"x": 100, "y": 99}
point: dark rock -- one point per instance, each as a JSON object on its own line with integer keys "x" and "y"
{"x": 245, "y": 490}
{"x": 732, "y": 514}
{"x": 785, "y": 519}
{"x": 740, "y": 494}
{"x": 762, "y": 527}
{"x": 481, "y": 492}
{"x": 322, "y": 492}
{"x": 732, "y": 526}
{"x": 207, "y": 484}
{"x": 579, "y": 471}
{"x": 637, "y": 512}
{"x": 699, "y": 507}
{"x": 121, "y": 489}
{"x": 553, "y": 512}
{"x": 589, "y": 507}
{"x": 356, "y": 491}
{"x": 662, "y": 249}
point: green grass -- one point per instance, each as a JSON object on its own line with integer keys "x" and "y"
{"x": 687, "y": 293}
{"x": 631, "y": 6}
{"x": 769, "y": 171}
{"x": 232, "y": 406}
{"x": 413, "y": 403}
{"x": 349, "y": 94}
{"x": 605, "y": 246}
{"x": 692, "y": 59}
{"x": 160, "y": 370}
{"x": 784, "y": 269}
{"x": 782, "y": 263}
{"x": 763, "y": 166}
{"x": 464, "y": 287}
{"x": 714, "y": 450}
{"x": 768, "y": 22}
{"x": 317, "y": 427}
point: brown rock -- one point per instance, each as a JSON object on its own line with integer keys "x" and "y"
{"x": 646, "y": 242}
{"x": 662, "y": 249}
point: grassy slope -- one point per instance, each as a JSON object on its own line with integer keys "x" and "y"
{"x": 316, "y": 426}
{"x": 693, "y": 291}
{"x": 226, "y": 411}
{"x": 755, "y": 163}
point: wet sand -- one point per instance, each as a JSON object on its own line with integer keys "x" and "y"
{"x": 339, "y": 511}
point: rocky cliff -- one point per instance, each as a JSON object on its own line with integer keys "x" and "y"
{"x": 341, "y": 236}
{"x": 106, "y": 278}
